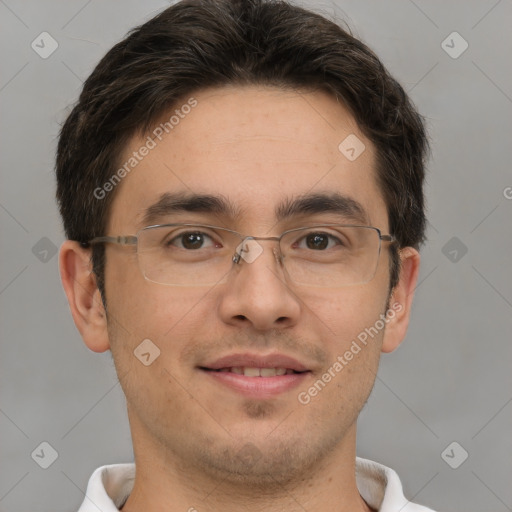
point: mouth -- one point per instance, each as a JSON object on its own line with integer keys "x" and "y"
{"x": 257, "y": 376}
{"x": 248, "y": 371}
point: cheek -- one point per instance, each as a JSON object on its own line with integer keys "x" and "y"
{"x": 143, "y": 309}
{"x": 149, "y": 310}
{"x": 146, "y": 318}
{"x": 169, "y": 317}
{"x": 338, "y": 393}
{"x": 343, "y": 315}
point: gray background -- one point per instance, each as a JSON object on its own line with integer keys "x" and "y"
{"x": 450, "y": 380}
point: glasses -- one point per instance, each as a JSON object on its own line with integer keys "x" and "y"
{"x": 327, "y": 255}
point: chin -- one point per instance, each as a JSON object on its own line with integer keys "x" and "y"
{"x": 265, "y": 463}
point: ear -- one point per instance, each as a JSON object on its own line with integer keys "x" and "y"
{"x": 400, "y": 302}
{"x": 83, "y": 295}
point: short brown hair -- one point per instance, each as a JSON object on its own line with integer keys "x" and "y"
{"x": 196, "y": 44}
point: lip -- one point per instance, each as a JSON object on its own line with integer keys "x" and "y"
{"x": 257, "y": 387}
{"x": 257, "y": 361}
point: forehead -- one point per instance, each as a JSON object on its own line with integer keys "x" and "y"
{"x": 258, "y": 148}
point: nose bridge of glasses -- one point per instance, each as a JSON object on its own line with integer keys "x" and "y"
{"x": 249, "y": 249}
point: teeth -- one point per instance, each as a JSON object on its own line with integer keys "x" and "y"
{"x": 258, "y": 372}
{"x": 248, "y": 371}
{"x": 252, "y": 372}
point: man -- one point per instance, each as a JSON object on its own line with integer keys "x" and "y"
{"x": 241, "y": 186}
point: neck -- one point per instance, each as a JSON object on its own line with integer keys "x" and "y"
{"x": 164, "y": 481}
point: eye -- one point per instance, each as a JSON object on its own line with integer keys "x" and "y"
{"x": 192, "y": 240}
{"x": 318, "y": 241}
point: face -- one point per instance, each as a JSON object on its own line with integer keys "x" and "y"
{"x": 256, "y": 148}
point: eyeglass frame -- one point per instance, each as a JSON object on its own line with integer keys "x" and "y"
{"x": 127, "y": 240}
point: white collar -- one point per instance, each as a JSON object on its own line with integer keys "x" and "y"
{"x": 110, "y": 486}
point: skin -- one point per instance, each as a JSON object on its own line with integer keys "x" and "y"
{"x": 253, "y": 145}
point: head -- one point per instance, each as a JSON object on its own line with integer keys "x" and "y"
{"x": 248, "y": 101}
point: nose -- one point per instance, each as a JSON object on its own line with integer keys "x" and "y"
{"x": 257, "y": 293}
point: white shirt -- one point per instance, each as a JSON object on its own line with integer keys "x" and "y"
{"x": 110, "y": 486}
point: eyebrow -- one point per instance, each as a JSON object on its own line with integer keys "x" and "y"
{"x": 307, "y": 204}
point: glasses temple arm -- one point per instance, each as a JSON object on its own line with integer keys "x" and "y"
{"x": 120, "y": 240}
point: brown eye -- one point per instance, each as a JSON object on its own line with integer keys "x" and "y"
{"x": 191, "y": 240}
{"x": 317, "y": 241}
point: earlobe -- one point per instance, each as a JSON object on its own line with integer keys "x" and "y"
{"x": 83, "y": 295}
{"x": 400, "y": 302}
